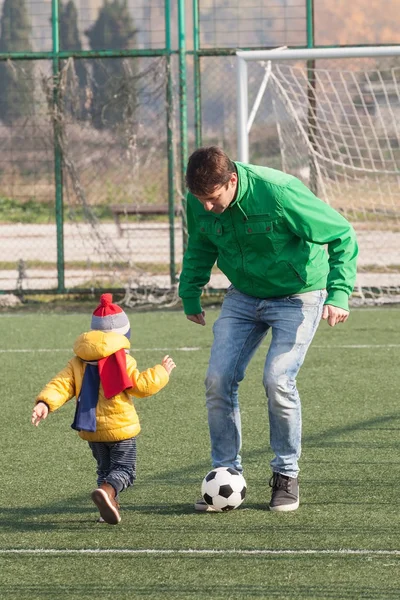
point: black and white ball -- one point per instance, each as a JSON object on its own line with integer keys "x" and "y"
{"x": 223, "y": 488}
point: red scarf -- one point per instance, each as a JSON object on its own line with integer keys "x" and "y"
{"x": 113, "y": 375}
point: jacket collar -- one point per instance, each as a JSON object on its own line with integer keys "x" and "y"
{"x": 243, "y": 183}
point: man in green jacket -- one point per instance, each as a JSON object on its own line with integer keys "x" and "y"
{"x": 266, "y": 231}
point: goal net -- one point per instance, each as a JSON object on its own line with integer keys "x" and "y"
{"x": 335, "y": 126}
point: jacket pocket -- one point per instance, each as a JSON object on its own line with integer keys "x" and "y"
{"x": 296, "y": 272}
{"x": 258, "y": 236}
{"x": 210, "y": 227}
{"x": 258, "y": 227}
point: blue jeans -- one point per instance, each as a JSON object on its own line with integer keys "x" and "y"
{"x": 116, "y": 463}
{"x": 239, "y": 330}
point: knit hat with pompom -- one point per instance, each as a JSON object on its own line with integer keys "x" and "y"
{"x": 110, "y": 317}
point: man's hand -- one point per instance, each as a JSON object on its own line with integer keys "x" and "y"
{"x": 334, "y": 314}
{"x": 199, "y": 319}
{"x": 39, "y": 413}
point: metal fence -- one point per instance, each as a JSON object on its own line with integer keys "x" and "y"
{"x": 95, "y": 131}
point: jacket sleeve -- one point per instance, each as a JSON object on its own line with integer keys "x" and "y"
{"x": 315, "y": 221}
{"x": 199, "y": 259}
{"x": 59, "y": 390}
{"x": 146, "y": 383}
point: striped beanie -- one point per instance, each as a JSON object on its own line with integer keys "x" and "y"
{"x": 110, "y": 317}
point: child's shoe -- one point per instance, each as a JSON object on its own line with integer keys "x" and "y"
{"x": 104, "y": 499}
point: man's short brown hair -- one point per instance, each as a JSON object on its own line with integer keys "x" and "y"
{"x": 208, "y": 167}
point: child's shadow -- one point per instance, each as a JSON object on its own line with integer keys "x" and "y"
{"x": 187, "y": 508}
{"x": 49, "y": 517}
{"x": 183, "y": 508}
{"x": 71, "y": 513}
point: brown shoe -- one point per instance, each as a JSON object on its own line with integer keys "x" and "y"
{"x": 104, "y": 499}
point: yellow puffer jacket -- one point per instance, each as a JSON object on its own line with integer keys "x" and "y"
{"x": 116, "y": 418}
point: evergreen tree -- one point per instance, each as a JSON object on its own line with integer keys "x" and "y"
{"x": 69, "y": 33}
{"x": 76, "y": 93}
{"x": 114, "y": 79}
{"x": 17, "y": 81}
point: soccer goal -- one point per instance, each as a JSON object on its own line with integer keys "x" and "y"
{"x": 336, "y": 125}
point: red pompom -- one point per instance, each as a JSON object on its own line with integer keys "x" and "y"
{"x": 105, "y": 299}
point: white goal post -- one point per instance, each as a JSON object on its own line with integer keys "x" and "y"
{"x": 335, "y": 124}
{"x": 243, "y": 56}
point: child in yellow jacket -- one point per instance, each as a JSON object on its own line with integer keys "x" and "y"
{"x": 103, "y": 377}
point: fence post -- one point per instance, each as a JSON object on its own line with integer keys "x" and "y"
{"x": 170, "y": 143}
{"x": 58, "y": 174}
{"x": 183, "y": 110}
{"x": 196, "y": 73}
{"x": 311, "y": 96}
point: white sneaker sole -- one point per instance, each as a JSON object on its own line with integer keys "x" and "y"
{"x": 285, "y": 507}
{"x": 202, "y": 506}
{"x": 107, "y": 511}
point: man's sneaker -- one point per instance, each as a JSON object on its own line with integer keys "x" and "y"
{"x": 202, "y": 506}
{"x": 285, "y": 493}
{"x": 104, "y": 499}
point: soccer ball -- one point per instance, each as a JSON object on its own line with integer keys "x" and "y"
{"x": 223, "y": 488}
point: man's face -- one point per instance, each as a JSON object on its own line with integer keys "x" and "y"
{"x": 221, "y": 197}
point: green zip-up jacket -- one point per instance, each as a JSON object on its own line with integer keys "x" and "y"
{"x": 269, "y": 242}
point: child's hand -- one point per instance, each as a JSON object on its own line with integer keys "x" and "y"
{"x": 39, "y": 413}
{"x": 168, "y": 364}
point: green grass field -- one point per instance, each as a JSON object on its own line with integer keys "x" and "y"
{"x": 343, "y": 542}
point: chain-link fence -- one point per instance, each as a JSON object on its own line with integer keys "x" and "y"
{"x": 88, "y": 133}
{"x": 100, "y": 104}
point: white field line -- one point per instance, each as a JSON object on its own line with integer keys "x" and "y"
{"x": 192, "y": 349}
{"x": 16, "y": 350}
{"x": 356, "y": 346}
{"x": 194, "y": 552}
